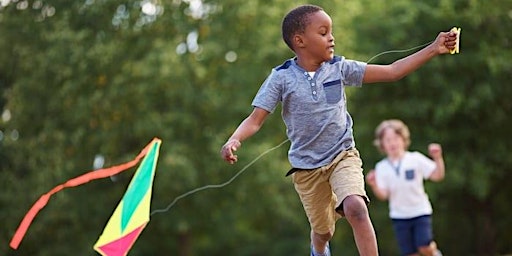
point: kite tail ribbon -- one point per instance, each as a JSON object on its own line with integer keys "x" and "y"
{"x": 91, "y": 175}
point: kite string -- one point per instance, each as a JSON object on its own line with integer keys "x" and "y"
{"x": 217, "y": 185}
{"x": 398, "y": 51}
{"x": 166, "y": 209}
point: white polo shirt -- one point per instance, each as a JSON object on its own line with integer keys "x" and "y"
{"x": 403, "y": 180}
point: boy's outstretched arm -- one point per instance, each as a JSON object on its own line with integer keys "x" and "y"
{"x": 444, "y": 42}
{"x": 246, "y": 129}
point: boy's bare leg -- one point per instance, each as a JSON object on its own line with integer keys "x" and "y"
{"x": 320, "y": 241}
{"x": 429, "y": 250}
{"x": 356, "y": 213}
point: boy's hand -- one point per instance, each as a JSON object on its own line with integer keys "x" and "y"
{"x": 227, "y": 150}
{"x": 435, "y": 151}
{"x": 370, "y": 178}
{"x": 445, "y": 42}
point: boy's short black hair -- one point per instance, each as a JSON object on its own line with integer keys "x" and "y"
{"x": 296, "y": 21}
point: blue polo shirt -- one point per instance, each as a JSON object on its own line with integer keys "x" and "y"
{"x": 314, "y": 109}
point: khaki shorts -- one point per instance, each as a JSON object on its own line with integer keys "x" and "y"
{"x": 322, "y": 190}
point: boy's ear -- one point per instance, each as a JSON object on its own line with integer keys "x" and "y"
{"x": 298, "y": 41}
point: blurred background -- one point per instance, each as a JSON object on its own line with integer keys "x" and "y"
{"x": 88, "y": 83}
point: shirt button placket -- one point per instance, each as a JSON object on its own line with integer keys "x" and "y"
{"x": 313, "y": 88}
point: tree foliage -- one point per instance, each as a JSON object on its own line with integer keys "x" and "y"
{"x": 86, "y": 78}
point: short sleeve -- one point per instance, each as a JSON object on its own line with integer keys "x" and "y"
{"x": 353, "y": 72}
{"x": 425, "y": 164}
{"x": 269, "y": 94}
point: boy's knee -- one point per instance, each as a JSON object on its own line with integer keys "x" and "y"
{"x": 354, "y": 208}
{"x": 322, "y": 237}
{"x": 426, "y": 250}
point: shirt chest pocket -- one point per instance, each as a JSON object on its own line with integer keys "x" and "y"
{"x": 410, "y": 175}
{"x": 332, "y": 91}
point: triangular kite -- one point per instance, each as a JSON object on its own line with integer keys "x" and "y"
{"x": 136, "y": 198}
{"x": 132, "y": 214}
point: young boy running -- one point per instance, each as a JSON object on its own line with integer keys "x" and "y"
{"x": 399, "y": 179}
{"x": 326, "y": 167}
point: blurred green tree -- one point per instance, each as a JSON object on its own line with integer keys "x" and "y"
{"x": 90, "y": 78}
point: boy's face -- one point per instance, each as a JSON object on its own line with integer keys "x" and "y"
{"x": 317, "y": 40}
{"x": 392, "y": 143}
